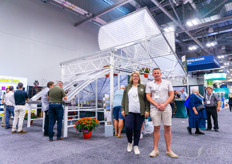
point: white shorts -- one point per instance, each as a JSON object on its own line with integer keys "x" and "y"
{"x": 164, "y": 116}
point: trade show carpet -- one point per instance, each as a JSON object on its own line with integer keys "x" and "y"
{"x": 34, "y": 148}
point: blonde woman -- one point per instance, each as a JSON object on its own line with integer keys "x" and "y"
{"x": 134, "y": 108}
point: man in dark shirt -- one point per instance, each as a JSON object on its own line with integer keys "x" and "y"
{"x": 56, "y": 95}
{"x": 21, "y": 98}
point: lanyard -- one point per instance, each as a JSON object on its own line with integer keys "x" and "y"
{"x": 159, "y": 85}
{"x": 209, "y": 97}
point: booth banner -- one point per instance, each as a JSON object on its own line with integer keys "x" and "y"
{"x": 203, "y": 62}
{"x": 6, "y": 81}
{"x": 184, "y": 62}
{"x": 215, "y": 76}
{"x": 209, "y": 82}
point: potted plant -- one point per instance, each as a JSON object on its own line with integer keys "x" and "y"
{"x": 85, "y": 125}
{"x": 33, "y": 116}
{"x": 142, "y": 70}
{"x": 107, "y": 66}
{"x": 146, "y": 72}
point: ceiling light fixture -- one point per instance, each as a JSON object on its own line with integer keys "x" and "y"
{"x": 211, "y": 44}
{"x": 169, "y": 29}
{"x": 192, "y": 22}
{"x": 191, "y": 48}
{"x": 221, "y": 57}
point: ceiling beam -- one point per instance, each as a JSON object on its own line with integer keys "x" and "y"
{"x": 202, "y": 35}
{"x": 157, "y": 8}
{"x": 180, "y": 25}
{"x": 106, "y": 10}
{"x": 215, "y": 8}
{"x": 224, "y": 19}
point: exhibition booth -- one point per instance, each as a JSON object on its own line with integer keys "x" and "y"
{"x": 122, "y": 52}
{"x": 90, "y": 81}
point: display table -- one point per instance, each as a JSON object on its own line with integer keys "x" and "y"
{"x": 180, "y": 109}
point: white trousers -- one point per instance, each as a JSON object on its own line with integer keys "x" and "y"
{"x": 19, "y": 113}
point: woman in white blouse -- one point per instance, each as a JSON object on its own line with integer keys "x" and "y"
{"x": 134, "y": 108}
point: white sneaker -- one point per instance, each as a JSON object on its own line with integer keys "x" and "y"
{"x": 129, "y": 147}
{"x": 136, "y": 150}
{"x": 171, "y": 154}
{"x": 154, "y": 153}
{"x": 141, "y": 136}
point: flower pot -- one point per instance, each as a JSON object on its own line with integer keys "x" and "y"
{"x": 107, "y": 75}
{"x": 87, "y": 135}
{"x": 32, "y": 122}
{"x": 145, "y": 75}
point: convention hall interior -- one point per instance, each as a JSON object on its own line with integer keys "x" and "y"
{"x": 115, "y": 81}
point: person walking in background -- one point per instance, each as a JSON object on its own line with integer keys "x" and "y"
{"x": 183, "y": 94}
{"x": 173, "y": 106}
{"x": 134, "y": 108}
{"x": 160, "y": 93}
{"x": 212, "y": 104}
{"x": 118, "y": 118}
{"x": 176, "y": 95}
{"x": 21, "y": 98}
{"x": 230, "y": 101}
{"x": 10, "y": 103}
{"x": 56, "y": 95}
{"x": 197, "y": 112}
{"x": 45, "y": 106}
{"x": 4, "y": 108}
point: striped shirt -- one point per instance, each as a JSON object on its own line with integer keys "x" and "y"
{"x": 162, "y": 90}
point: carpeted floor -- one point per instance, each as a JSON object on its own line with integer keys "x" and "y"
{"x": 34, "y": 148}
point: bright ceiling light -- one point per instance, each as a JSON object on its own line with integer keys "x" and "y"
{"x": 192, "y": 22}
{"x": 211, "y": 44}
{"x": 166, "y": 30}
{"x": 191, "y": 48}
{"x": 171, "y": 28}
{"x": 189, "y": 23}
{"x": 195, "y": 22}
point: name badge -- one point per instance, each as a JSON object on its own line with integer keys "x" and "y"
{"x": 157, "y": 95}
{"x": 208, "y": 102}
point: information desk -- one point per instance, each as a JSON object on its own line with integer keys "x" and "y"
{"x": 180, "y": 109}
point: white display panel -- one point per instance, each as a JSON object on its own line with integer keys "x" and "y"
{"x": 130, "y": 28}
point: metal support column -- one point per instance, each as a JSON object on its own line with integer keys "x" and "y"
{"x": 96, "y": 100}
{"x": 43, "y": 121}
{"x": 65, "y": 131}
{"x": 119, "y": 81}
{"x": 109, "y": 128}
{"x": 111, "y": 84}
{"x": 29, "y": 116}
{"x": 78, "y": 106}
